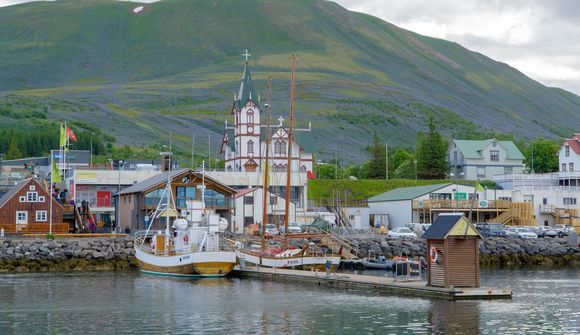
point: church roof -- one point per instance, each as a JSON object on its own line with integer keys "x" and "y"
{"x": 231, "y": 142}
{"x": 305, "y": 139}
{"x": 246, "y": 91}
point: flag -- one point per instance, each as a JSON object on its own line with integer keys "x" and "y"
{"x": 70, "y": 134}
{"x": 62, "y": 138}
{"x": 478, "y": 187}
{"x": 55, "y": 173}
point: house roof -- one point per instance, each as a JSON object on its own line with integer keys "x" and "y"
{"x": 13, "y": 191}
{"x": 407, "y": 193}
{"x": 573, "y": 142}
{"x": 245, "y": 191}
{"x": 444, "y": 224}
{"x": 472, "y": 149}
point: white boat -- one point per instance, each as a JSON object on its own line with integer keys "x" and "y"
{"x": 191, "y": 247}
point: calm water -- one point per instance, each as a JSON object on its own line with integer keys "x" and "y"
{"x": 545, "y": 301}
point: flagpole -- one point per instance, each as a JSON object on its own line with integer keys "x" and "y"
{"x": 50, "y": 193}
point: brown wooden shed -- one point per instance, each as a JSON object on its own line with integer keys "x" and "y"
{"x": 453, "y": 251}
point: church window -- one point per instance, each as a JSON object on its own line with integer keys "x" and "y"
{"x": 250, "y": 147}
{"x": 280, "y": 148}
{"x": 250, "y": 117}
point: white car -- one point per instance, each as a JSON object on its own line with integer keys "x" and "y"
{"x": 271, "y": 229}
{"x": 521, "y": 232}
{"x": 401, "y": 233}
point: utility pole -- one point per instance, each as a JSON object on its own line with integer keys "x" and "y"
{"x": 387, "y": 161}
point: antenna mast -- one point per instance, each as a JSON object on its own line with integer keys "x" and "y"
{"x": 289, "y": 164}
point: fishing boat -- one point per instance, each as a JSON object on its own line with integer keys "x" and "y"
{"x": 309, "y": 256}
{"x": 189, "y": 247}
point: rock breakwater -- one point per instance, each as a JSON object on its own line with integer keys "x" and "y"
{"x": 27, "y": 254}
{"x": 493, "y": 250}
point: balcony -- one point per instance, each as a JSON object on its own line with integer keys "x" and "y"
{"x": 210, "y": 202}
{"x": 461, "y": 204}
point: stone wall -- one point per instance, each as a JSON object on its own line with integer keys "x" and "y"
{"x": 493, "y": 250}
{"x": 26, "y": 254}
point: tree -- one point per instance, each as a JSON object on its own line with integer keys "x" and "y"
{"x": 431, "y": 154}
{"x": 377, "y": 165}
{"x": 398, "y": 157}
{"x": 13, "y": 151}
{"x": 541, "y": 156}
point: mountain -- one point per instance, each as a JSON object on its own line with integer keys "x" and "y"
{"x": 176, "y": 64}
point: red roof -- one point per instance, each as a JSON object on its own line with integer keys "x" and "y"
{"x": 245, "y": 191}
{"x": 574, "y": 143}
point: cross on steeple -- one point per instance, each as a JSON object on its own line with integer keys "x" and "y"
{"x": 281, "y": 119}
{"x": 246, "y": 54}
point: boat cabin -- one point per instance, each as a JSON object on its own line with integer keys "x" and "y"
{"x": 453, "y": 251}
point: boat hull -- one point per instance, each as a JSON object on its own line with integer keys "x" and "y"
{"x": 295, "y": 262}
{"x": 194, "y": 264}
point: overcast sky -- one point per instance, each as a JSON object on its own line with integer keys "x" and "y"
{"x": 541, "y": 38}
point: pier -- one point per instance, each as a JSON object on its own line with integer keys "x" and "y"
{"x": 372, "y": 284}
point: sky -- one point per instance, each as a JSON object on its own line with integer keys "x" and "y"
{"x": 541, "y": 38}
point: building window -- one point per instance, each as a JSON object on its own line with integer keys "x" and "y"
{"x": 563, "y": 167}
{"x": 280, "y": 148}
{"x": 494, "y": 144}
{"x": 40, "y": 216}
{"x": 248, "y": 200}
{"x": 32, "y": 188}
{"x": 41, "y": 198}
{"x": 508, "y": 170}
{"x": 567, "y": 150}
{"x": 351, "y": 217}
{"x": 31, "y": 196}
{"x": 273, "y": 200}
{"x": 250, "y": 117}
{"x": 569, "y": 201}
{"x": 22, "y": 199}
{"x": 248, "y": 220}
{"x": 250, "y": 147}
{"x": 494, "y": 156}
{"x": 455, "y": 156}
{"x": 481, "y": 171}
{"x": 571, "y": 166}
{"x": 21, "y": 217}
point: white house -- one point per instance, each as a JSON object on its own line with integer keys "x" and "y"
{"x": 249, "y": 209}
{"x": 569, "y": 160}
{"x": 472, "y": 160}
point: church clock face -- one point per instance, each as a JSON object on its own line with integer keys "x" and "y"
{"x": 250, "y": 129}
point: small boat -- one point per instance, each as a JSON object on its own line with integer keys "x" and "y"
{"x": 380, "y": 262}
{"x": 191, "y": 247}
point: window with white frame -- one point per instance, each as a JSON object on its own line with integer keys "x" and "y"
{"x": 494, "y": 155}
{"x": 455, "y": 156}
{"x": 569, "y": 201}
{"x": 563, "y": 167}
{"x": 250, "y": 147}
{"x": 22, "y": 199}
{"x": 571, "y": 166}
{"x": 250, "y": 117}
{"x": 480, "y": 171}
{"x": 32, "y": 188}
{"x": 40, "y": 216}
{"x": 32, "y": 196}
{"x": 567, "y": 150}
{"x": 508, "y": 170}
{"x": 41, "y": 198}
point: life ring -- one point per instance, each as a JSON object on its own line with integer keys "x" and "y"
{"x": 185, "y": 239}
{"x": 433, "y": 255}
{"x": 399, "y": 259}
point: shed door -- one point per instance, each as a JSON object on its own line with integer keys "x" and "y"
{"x": 21, "y": 217}
{"x": 462, "y": 262}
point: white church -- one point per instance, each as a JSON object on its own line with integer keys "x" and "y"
{"x": 244, "y": 144}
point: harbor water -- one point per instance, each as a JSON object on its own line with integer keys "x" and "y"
{"x": 545, "y": 301}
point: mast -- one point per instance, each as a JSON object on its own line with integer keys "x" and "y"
{"x": 265, "y": 206}
{"x": 289, "y": 164}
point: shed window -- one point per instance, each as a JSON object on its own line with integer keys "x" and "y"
{"x": 41, "y": 198}
{"x": 32, "y": 196}
{"x": 22, "y": 199}
{"x": 40, "y": 216}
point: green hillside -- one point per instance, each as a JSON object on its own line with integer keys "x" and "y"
{"x": 176, "y": 64}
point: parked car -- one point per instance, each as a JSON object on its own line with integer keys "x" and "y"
{"x": 293, "y": 228}
{"x": 562, "y": 229}
{"x": 487, "y": 229}
{"x": 521, "y": 232}
{"x": 418, "y": 228}
{"x": 271, "y": 229}
{"x": 543, "y": 231}
{"x": 401, "y": 233}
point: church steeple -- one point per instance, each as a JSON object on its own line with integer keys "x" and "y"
{"x": 246, "y": 91}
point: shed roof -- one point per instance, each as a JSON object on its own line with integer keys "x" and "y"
{"x": 444, "y": 224}
{"x": 472, "y": 149}
{"x": 407, "y": 193}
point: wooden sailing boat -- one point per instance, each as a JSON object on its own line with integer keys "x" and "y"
{"x": 307, "y": 257}
{"x": 190, "y": 247}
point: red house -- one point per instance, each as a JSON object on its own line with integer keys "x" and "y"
{"x": 26, "y": 207}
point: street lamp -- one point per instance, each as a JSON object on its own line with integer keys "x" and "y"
{"x": 415, "y": 161}
{"x": 117, "y": 229}
{"x": 91, "y": 164}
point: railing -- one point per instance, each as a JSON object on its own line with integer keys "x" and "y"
{"x": 341, "y": 203}
{"x": 35, "y": 228}
{"x": 461, "y": 204}
{"x": 547, "y": 209}
{"x": 180, "y": 202}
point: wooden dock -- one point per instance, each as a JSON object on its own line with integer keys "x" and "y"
{"x": 372, "y": 284}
